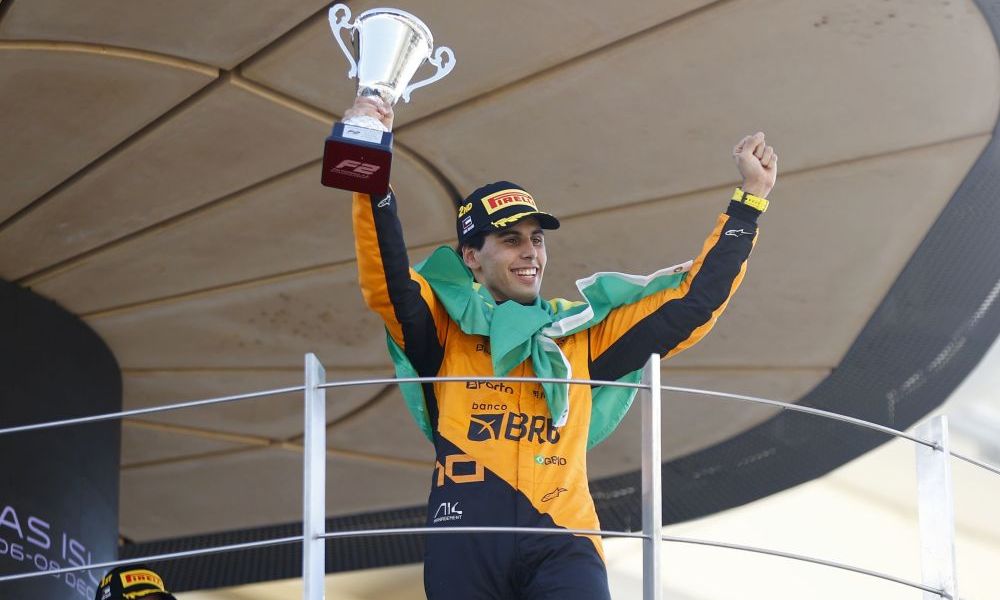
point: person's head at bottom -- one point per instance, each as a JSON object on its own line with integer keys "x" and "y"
{"x": 501, "y": 239}
{"x": 132, "y": 583}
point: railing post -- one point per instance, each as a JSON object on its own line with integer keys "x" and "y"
{"x": 652, "y": 493}
{"x": 314, "y": 481}
{"x": 936, "y": 509}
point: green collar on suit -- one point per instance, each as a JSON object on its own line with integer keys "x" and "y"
{"x": 517, "y": 332}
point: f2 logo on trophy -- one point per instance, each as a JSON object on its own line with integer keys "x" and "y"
{"x": 389, "y": 47}
{"x": 357, "y": 167}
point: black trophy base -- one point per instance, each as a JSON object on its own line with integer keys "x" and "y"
{"x": 357, "y": 159}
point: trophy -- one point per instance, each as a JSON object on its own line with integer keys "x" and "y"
{"x": 389, "y": 46}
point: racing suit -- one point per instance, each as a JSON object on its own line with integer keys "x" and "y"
{"x": 499, "y": 459}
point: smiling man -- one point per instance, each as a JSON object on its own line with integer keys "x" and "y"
{"x": 511, "y": 261}
{"x": 514, "y": 454}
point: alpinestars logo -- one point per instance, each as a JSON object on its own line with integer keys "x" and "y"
{"x": 447, "y": 511}
{"x": 738, "y": 232}
{"x": 553, "y": 494}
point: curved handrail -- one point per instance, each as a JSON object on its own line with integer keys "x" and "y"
{"x": 465, "y": 530}
{"x": 803, "y": 558}
{"x": 156, "y": 558}
{"x": 972, "y": 461}
{"x": 804, "y": 409}
{"x": 151, "y": 409}
{"x": 650, "y": 534}
{"x": 593, "y": 382}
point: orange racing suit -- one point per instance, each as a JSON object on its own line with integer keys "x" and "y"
{"x": 499, "y": 459}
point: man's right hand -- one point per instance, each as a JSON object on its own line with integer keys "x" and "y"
{"x": 371, "y": 106}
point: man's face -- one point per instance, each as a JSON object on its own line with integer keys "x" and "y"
{"x": 511, "y": 262}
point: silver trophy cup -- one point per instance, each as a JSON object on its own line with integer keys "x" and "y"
{"x": 389, "y": 46}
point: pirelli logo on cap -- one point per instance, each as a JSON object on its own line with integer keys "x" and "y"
{"x": 505, "y": 198}
{"x": 130, "y": 578}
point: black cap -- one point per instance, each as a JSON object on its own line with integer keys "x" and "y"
{"x": 497, "y": 206}
{"x": 132, "y": 583}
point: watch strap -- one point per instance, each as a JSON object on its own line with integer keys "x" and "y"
{"x": 750, "y": 200}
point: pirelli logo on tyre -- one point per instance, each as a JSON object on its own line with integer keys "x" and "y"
{"x": 505, "y": 198}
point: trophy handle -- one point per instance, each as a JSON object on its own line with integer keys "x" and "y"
{"x": 335, "y": 26}
{"x": 441, "y": 70}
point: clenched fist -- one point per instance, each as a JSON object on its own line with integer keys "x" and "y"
{"x": 758, "y": 164}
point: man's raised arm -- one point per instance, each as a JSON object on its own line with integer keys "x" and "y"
{"x": 673, "y": 320}
{"x": 413, "y": 317}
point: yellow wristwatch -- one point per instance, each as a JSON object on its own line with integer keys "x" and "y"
{"x": 750, "y": 200}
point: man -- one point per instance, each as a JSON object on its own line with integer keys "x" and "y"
{"x": 514, "y": 454}
{"x": 132, "y": 583}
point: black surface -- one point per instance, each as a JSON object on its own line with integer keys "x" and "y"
{"x": 61, "y": 481}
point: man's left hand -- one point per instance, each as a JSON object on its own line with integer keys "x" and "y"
{"x": 757, "y": 163}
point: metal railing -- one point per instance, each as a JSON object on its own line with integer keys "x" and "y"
{"x": 935, "y": 500}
